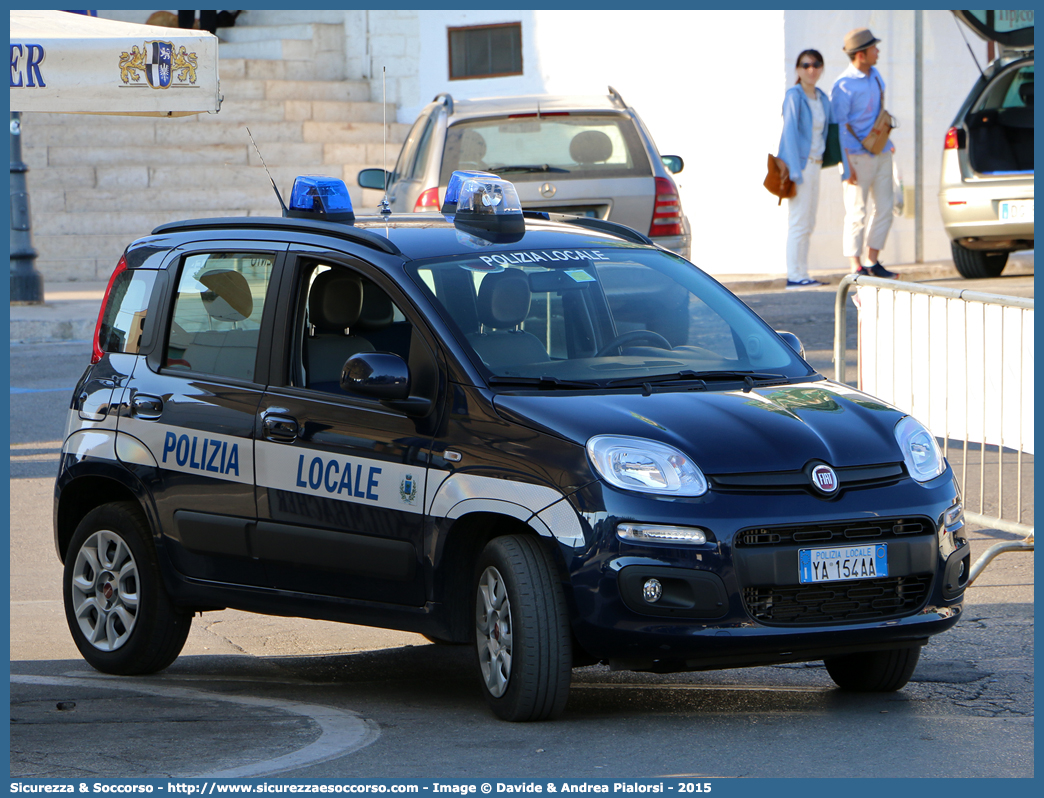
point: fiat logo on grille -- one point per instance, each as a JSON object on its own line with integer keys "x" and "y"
{"x": 824, "y": 479}
{"x": 547, "y": 190}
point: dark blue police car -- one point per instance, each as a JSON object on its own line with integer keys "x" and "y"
{"x": 541, "y": 435}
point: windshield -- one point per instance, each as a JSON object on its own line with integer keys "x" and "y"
{"x": 567, "y": 146}
{"x": 606, "y": 317}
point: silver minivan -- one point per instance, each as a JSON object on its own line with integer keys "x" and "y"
{"x": 986, "y": 187}
{"x": 585, "y": 156}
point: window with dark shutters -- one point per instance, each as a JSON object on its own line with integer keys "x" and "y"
{"x": 485, "y": 51}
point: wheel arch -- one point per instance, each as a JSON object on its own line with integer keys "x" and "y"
{"x": 458, "y": 546}
{"x": 81, "y": 494}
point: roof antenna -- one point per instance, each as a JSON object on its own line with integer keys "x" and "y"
{"x": 385, "y": 207}
{"x": 274, "y": 187}
{"x": 970, "y": 50}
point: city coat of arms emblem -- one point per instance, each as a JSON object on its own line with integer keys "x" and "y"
{"x": 408, "y": 489}
{"x": 161, "y": 63}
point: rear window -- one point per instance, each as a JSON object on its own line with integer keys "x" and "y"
{"x": 553, "y": 146}
{"x": 124, "y": 319}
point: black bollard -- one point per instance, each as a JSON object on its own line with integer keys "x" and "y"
{"x": 26, "y": 281}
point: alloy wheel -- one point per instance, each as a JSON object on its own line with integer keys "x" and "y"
{"x": 105, "y": 594}
{"x": 493, "y": 631}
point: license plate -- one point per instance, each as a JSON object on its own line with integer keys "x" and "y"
{"x": 843, "y": 563}
{"x": 1015, "y": 211}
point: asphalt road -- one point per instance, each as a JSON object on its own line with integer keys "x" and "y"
{"x": 253, "y": 695}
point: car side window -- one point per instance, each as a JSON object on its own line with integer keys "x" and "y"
{"x": 217, "y": 313}
{"x": 404, "y": 163}
{"x": 343, "y": 314}
{"x": 423, "y": 154}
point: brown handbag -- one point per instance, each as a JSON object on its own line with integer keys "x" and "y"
{"x": 877, "y": 138}
{"x": 778, "y": 181}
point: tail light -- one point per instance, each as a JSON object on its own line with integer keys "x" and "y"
{"x": 427, "y": 201}
{"x": 954, "y": 139}
{"x": 120, "y": 268}
{"x": 666, "y": 219}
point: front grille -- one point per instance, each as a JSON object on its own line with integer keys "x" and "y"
{"x": 878, "y": 529}
{"x": 863, "y": 600}
{"x": 872, "y": 476}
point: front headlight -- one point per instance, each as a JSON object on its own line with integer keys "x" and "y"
{"x": 923, "y": 457}
{"x": 644, "y": 465}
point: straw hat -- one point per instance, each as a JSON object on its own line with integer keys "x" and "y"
{"x": 859, "y": 39}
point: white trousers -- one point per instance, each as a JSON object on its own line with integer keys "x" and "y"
{"x": 801, "y": 218}
{"x": 873, "y": 178}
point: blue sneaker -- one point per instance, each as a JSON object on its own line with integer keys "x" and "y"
{"x": 877, "y": 270}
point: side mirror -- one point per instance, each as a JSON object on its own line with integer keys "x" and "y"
{"x": 386, "y": 377}
{"x": 674, "y": 163}
{"x": 378, "y": 375}
{"x": 792, "y": 341}
{"x": 373, "y": 178}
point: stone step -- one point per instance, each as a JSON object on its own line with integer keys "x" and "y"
{"x": 253, "y": 33}
{"x": 188, "y": 201}
{"x": 337, "y": 90}
{"x": 132, "y": 225}
{"x": 177, "y": 177}
{"x": 263, "y": 69}
{"x": 77, "y": 270}
{"x": 276, "y": 153}
{"x": 353, "y": 132}
{"x": 268, "y": 50}
{"x": 143, "y": 132}
{"x": 326, "y": 111}
{"x": 253, "y": 194}
{"x": 99, "y": 156}
{"x": 64, "y": 247}
{"x": 287, "y": 17}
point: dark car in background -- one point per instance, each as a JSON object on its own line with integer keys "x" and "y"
{"x": 986, "y": 186}
{"x": 583, "y": 156}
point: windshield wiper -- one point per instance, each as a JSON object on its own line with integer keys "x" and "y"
{"x": 527, "y": 168}
{"x": 677, "y": 376}
{"x": 544, "y": 383}
{"x": 749, "y": 378}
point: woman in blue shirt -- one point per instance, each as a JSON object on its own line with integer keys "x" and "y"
{"x": 806, "y": 114}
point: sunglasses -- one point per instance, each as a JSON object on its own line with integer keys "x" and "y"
{"x": 812, "y": 65}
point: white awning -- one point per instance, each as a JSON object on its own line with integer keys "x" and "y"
{"x": 75, "y": 64}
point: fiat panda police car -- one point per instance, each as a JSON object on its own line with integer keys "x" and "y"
{"x": 543, "y": 436}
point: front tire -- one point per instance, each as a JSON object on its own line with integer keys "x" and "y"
{"x": 522, "y": 636}
{"x": 874, "y": 671}
{"x": 119, "y": 613}
{"x": 975, "y": 264}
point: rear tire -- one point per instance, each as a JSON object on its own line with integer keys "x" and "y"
{"x": 975, "y": 264}
{"x": 523, "y": 642}
{"x": 119, "y": 613}
{"x": 874, "y": 671}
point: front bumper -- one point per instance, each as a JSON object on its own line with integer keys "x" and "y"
{"x": 737, "y": 601}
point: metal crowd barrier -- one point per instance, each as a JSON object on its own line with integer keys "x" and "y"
{"x": 928, "y": 350}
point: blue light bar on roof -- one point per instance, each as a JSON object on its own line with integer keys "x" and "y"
{"x": 489, "y": 204}
{"x": 455, "y": 182}
{"x": 322, "y": 198}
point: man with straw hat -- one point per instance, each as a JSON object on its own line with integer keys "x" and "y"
{"x": 857, "y": 100}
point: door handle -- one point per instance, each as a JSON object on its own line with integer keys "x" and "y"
{"x": 146, "y": 406}
{"x": 279, "y": 428}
